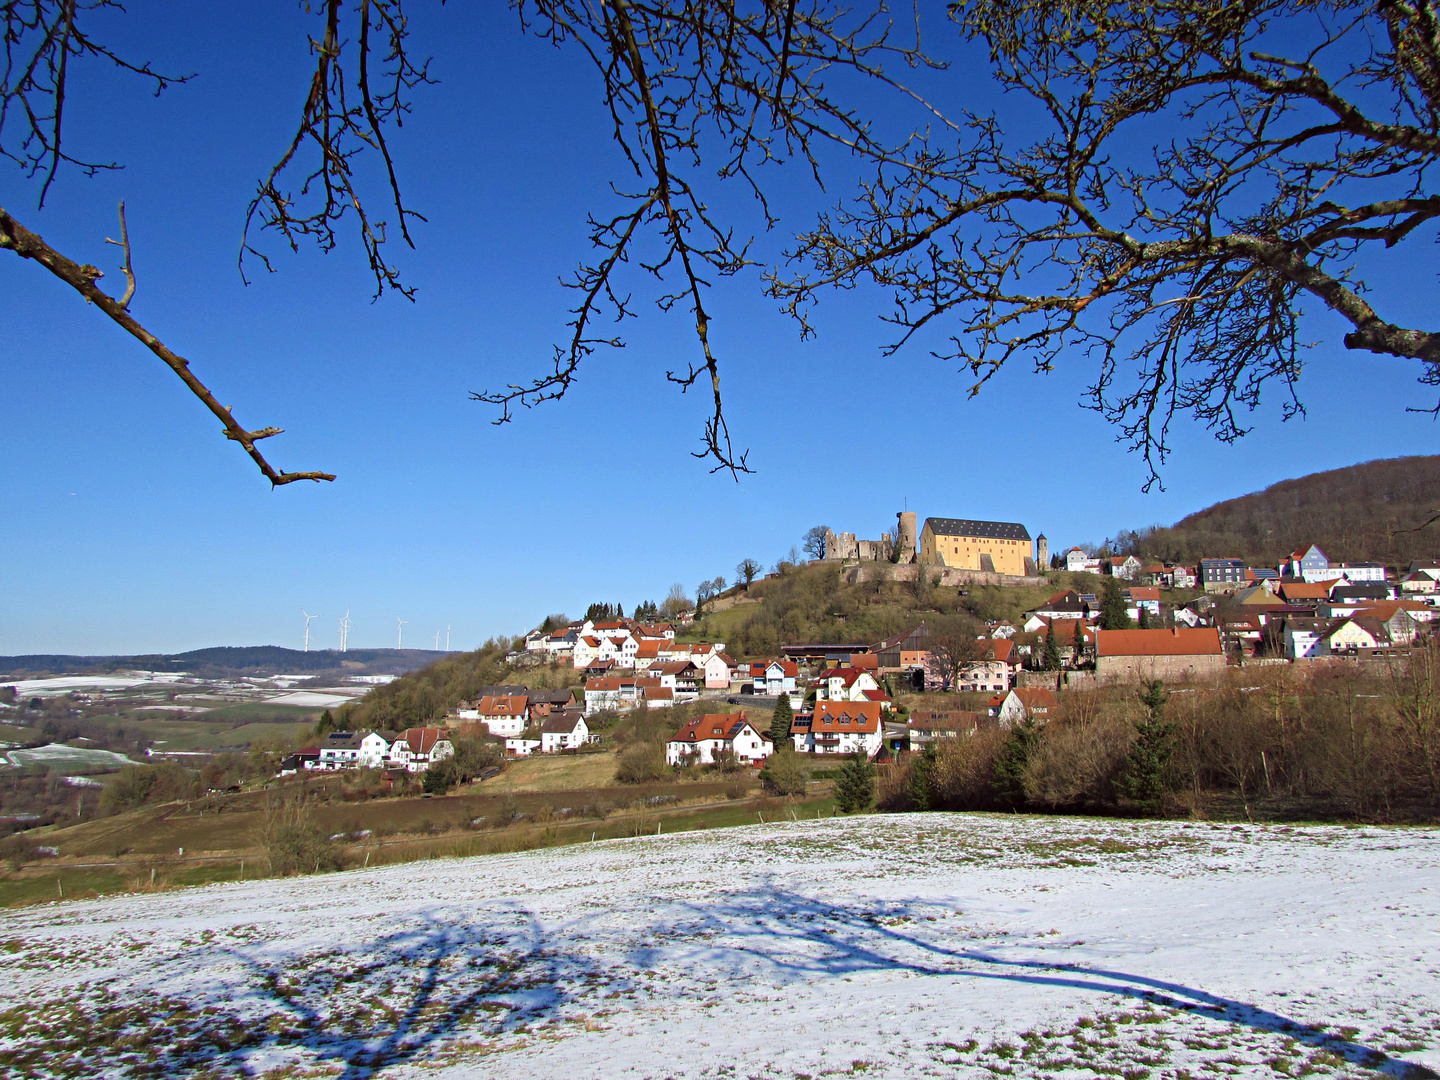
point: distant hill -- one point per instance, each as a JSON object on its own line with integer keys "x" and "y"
{"x": 228, "y": 660}
{"x": 1376, "y": 511}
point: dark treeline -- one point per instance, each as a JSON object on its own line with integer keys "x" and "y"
{"x": 1331, "y": 741}
{"x": 1376, "y": 511}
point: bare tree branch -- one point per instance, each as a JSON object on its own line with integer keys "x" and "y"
{"x": 28, "y": 245}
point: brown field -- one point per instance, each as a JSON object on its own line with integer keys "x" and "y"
{"x": 221, "y": 836}
{"x": 556, "y": 772}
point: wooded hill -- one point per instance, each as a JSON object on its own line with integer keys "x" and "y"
{"x": 1378, "y": 511}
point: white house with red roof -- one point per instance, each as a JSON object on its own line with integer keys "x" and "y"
{"x": 771, "y": 678}
{"x": 565, "y": 731}
{"x": 1022, "y": 703}
{"x": 502, "y": 714}
{"x": 699, "y": 741}
{"x": 586, "y": 651}
{"x": 845, "y": 684}
{"x": 840, "y": 727}
{"x": 416, "y": 749}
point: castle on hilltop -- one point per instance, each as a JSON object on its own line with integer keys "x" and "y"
{"x": 988, "y": 547}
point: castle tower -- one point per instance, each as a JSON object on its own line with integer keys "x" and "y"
{"x": 1042, "y": 554}
{"x": 906, "y": 537}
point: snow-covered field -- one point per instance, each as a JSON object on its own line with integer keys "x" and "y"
{"x": 60, "y": 756}
{"x": 895, "y": 946}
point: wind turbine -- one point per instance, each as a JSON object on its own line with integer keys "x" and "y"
{"x": 447, "y": 637}
{"x": 345, "y": 631}
{"x": 437, "y": 640}
{"x": 399, "y": 630}
{"x": 308, "y": 617}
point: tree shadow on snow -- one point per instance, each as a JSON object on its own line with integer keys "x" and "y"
{"x": 798, "y": 936}
{"x": 391, "y": 1000}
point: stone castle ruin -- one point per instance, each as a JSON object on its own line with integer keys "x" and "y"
{"x": 896, "y": 557}
{"x": 843, "y": 547}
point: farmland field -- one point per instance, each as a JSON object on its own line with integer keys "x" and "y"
{"x": 898, "y": 946}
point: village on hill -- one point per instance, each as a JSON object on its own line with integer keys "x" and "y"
{"x": 1132, "y": 621}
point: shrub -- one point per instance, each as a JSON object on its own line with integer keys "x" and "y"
{"x": 640, "y": 763}
{"x": 783, "y": 774}
{"x": 855, "y": 789}
{"x": 137, "y": 785}
{"x": 294, "y": 842}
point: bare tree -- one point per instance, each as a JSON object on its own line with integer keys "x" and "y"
{"x": 1291, "y": 139}
{"x": 813, "y": 542}
{"x": 1183, "y": 261}
{"x": 953, "y": 644}
{"x": 747, "y": 570}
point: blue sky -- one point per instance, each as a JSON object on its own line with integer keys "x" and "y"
{"x": 133, "y": 526}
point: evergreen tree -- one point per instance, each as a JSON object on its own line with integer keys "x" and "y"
{"x": 1078, "y": 644}
{"x": 855, "y": 787}
{"x": 1143, "y": 782}
{"x": 780, "y": 723}
{"x": 1010, "y": 763}
{"x": 922, "y": 771}
{"x": 1144, "y": 618}
{"x": 326, "y": 723}
{"x": 1052, "y": 649}
{"x": 1113, "y": 615}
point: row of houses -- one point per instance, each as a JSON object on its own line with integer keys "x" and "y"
{"x": 1308, "y": 564}
{"x": 413, "y": 750}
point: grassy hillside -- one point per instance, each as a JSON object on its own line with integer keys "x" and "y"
{"x": 812, "y": 604}
{"x": 1377, "y": 511}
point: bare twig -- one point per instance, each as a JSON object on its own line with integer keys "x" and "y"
{"x": 128, "y": 269}
{"x": 28, "y": 245}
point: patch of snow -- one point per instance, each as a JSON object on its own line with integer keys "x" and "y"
{"x": 309, "y": 699}
{"x": 899, "y": 946}
{"x": 58, "y": 754}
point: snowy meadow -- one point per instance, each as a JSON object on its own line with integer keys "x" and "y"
{"x": 947, "y": 945}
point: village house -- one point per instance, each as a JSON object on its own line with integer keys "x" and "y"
{"x": 1021, "y": 704}
{"x": 586, "y": 651}
{"x": 351, "y": 750}
{"x": 925, "y": 727}
{"x": 993, "y": 671}
{"x": 563, "y": 731}
{"x": 841, "y": 727}
{"x": 521, "y": 747}
{"x": 1223, "y": 575}
{"x": 1124, "y": 567}
{"x": 771, "y": 678}
{"x": 702, "y": 739}
{"x": 416, "y": 749}
{"x": 905, "y": 651}
{"x": 845, "y": 684}
{"x": 1347, "y": 636}
{"x": 612, "y": 692}
{"x": 1077, "y": 562}
{"x": 503, "y": 714}
{"x": 1144, "y": 598}
{"x": 1301, "y": 634}
{"x": 1308, "y": 564}
{"x": 1172, "y": 655}
{"x": 1063, "y": 605}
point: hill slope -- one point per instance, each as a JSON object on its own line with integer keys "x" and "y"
{"x": 1376, "y": 510}
{"x": 896, "y": 946}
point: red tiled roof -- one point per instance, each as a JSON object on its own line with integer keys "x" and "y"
{"x": 502, "y": 705}
{"x": 713, "y": 726}
{"x": 421, "y": 740}
{"x": 841, "y": 716}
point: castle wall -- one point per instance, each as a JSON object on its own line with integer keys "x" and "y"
{"x": 949, "y": 576}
